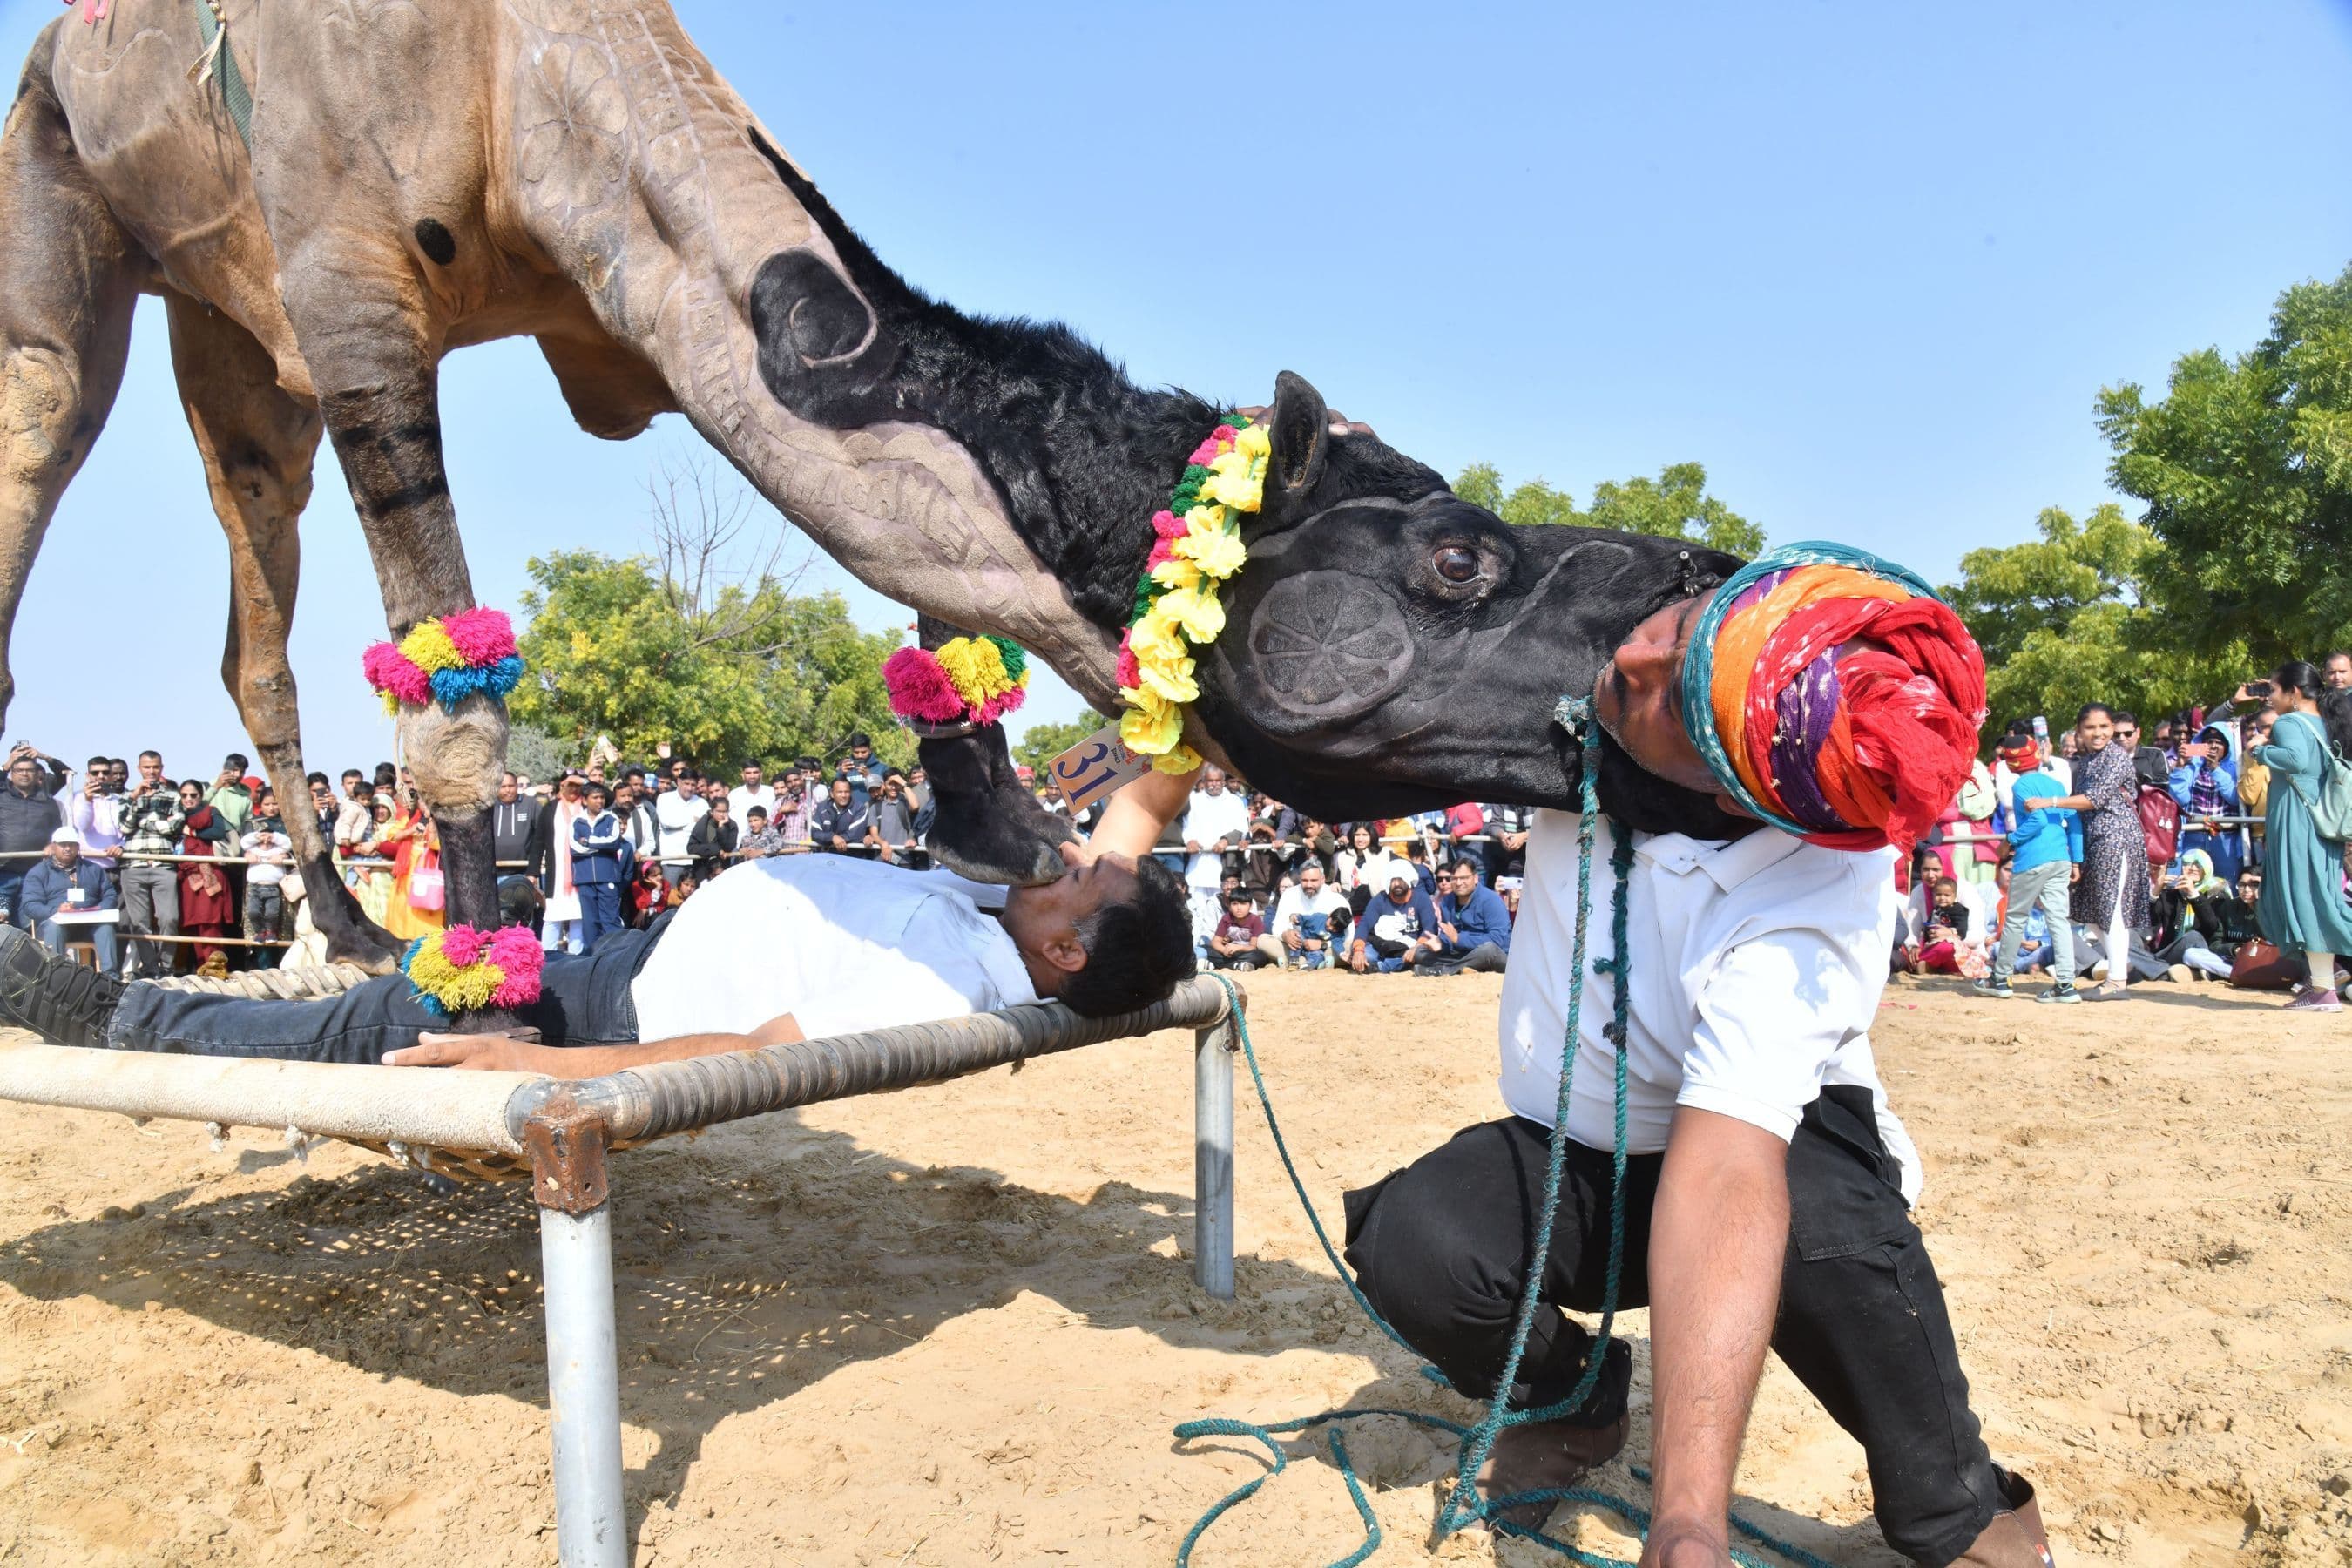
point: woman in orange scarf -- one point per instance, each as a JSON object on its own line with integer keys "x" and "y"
{"x": 415, "y": 847}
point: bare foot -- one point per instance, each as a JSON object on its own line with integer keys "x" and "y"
{"x": 1539, "y": 1458}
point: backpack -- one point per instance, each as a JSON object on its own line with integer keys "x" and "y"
{"x": 2160, "y": 823}
{"x": 2331, "y": 807}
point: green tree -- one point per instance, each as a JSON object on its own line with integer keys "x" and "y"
{"x": 1041, "y": 743}
{"x": 739, "y": 669}
{"x": 1674, "y": 505}
{"x": 532, "y": 752}
{"x": 2063, "y": 620}
{"x": 2246, "y": 467}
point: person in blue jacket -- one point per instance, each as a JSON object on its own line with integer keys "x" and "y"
{"x": 599, "y": 864}
{"x": 67, "y": 882}
{"x": 2205, "y": 786}
{"x": 1398, "y": 928}
{"x": 1474, "y": 928}
{"x": 2045, "y": 857}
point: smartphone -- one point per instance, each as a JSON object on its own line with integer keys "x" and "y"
{"x": 2258, "y": 689}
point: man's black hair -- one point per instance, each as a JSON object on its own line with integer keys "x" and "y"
{"x": 2124, "y": 716}
{"x": 236, "y": 760}
{"x": 1414, "y": 849}
{"x": 860, "y": 738}
{"x": 597, "y": 787}
{"x": 319, "y": 779}
{"x": 1458, "y": 862}
{"x": 759, "y": 811}
{"x": 519, "y": 903}
{"x": 1136, "y": 950}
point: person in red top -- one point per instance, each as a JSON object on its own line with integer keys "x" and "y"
{"x": 1234, "y": 944}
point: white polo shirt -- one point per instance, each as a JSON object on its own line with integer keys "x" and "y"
{"x": 1756, "y": 969}
{"x": 840, "y": 944}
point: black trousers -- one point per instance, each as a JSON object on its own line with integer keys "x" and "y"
{"x": 1442, "y": 1248}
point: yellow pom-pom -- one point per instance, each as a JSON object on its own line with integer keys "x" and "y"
{"x": 390, "y": 704}
{"x": 427, "y": 646}
{"x": 977, "y": 667}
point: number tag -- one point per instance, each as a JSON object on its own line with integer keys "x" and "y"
{"x": 1094, "y": 767}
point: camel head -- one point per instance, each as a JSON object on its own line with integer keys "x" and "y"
{"x": 1391, "y": 647}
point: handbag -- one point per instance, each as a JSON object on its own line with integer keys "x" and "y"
{"x": 2258, "y": 965}
{"x": 427, "y": 890}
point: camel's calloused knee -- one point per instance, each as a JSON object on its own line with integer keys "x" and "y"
{"x": 456, "y": 757}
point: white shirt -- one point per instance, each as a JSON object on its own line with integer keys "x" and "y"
{"x": 1756, "y": 969}
{"x": 676, "y": 813}
{"x": 741, "y": 799}
{"x": 1294, "y": 903}
{"x": 840, "y": 944}
{"x": 1208, "y": 818}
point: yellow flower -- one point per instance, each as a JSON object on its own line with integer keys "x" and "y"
{"x": 1171, "y": 679}
{"x": 1179, "y": 759}
{"x": 1207, "y": 516}
{"x": 1194, "y": 611}
{"x": 1178, "y": 570}
{"x": 1215, "y": 551}
{"x": 977, "y": 667}
{"x": 1253, "y": 443}
{"x": 1152, "y": 636}
{"x": 1235, "y": 481}
{"x": 1148, "y": 725}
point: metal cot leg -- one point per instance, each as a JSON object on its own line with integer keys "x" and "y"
{"x": 1213, "y": 1160}
{"x": 584, "y": 1387}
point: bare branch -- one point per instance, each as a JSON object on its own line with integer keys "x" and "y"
{"x": 716, "y": 550}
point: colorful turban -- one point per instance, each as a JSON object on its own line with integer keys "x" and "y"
{"x": 2021, "y": 753}
{"x": 1853, "y": 749}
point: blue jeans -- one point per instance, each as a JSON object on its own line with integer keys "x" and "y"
{"x": 600, "y": 912}
{"x": 12, "y": 888}
{"x": 101, "y": 938}
{"x": 582, "y": 1002}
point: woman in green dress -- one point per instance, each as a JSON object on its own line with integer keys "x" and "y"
{"x": 2303, "y": 903}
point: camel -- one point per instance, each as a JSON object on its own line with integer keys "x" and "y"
{"x": 418, "y": 175}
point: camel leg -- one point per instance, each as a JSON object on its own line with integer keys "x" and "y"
{"x": 381, "y": 410}
{"x": 257, "y": 443}
{"x": 70, "y": 277}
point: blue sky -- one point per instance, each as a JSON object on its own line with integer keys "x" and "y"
{"x": 1869, "y": 264}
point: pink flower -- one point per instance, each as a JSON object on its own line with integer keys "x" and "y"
{"x": 1168, "y": 525}
{"x": 481, "y": 636}
{"x": 1130, "y": 673}
{"x": 919, "y": 689}
{"x": 997, "y": 707}
{"x": 518, "y": 952}
{"x": 462, "y": 945}
{"x": 389, "y": 669}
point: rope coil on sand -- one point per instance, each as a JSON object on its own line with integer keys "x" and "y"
{"x": 1464, "y": 1507}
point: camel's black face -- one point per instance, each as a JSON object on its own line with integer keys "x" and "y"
{"x": 1390, "y": 648}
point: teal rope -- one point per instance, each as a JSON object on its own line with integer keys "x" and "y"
{"x": 234, "y": 96}
{"x": 1576, "y": 714}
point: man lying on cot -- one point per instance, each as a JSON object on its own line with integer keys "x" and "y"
{"x": 777, "y": 950}
{"x": 1767, "y": 1188}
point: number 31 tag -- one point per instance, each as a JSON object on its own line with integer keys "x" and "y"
{"x": 1096, "y": 766}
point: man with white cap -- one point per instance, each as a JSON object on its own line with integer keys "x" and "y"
{"x": 65, "y": 883}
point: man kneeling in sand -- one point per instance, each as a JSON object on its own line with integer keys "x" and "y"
{"x": 775, "y": 951}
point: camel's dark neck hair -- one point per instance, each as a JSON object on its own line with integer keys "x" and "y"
{"x": 1081, "y": 456}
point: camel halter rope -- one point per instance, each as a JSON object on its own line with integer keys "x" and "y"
{"x": 1463, "y": 1506}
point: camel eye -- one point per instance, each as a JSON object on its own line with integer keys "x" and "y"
{"x": 1455, "y": 564}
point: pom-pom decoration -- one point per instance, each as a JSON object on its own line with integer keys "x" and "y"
{"x": 462, "y": 969}
{"x": 967, "y": 680}
{"x": 446, "y": 659}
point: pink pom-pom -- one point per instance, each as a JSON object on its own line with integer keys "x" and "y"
{"x": 1205, "y": 453}
{"x": 389, "y": 669}
{"x": 919, "y": 689}
{"x": 1162, "y": 549}
{"x": 462, "y": 945}
{"x": 515, "y": 950}
{"x": 480, "y": 636}
{"x": 997, "y": 707}
{"x": 1130, "y": 672}
{"x": 1168, "y": 525}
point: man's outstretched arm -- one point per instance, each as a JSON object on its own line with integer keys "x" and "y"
{"x": 500, "y": 1053}
{"x": 1717, "y": 1236}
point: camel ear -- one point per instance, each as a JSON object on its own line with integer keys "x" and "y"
{"x": 1298, "y": 431}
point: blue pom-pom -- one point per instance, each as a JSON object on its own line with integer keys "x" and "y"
{"x": 451, "y": 687}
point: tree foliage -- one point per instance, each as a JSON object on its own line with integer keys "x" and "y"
{"x": 2063, "y": 620}
{"x": 744, "y": 669}
{"x": 2246, "y": 467}
{"x": 1674, "y": 505}
{"x": 1041, "y": 743}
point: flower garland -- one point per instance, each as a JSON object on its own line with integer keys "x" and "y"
{"x": 975, "y": 680}
{"x": 462, "y": 968}
{"x": 1176, "y": 607}
{"x": 446, "y": 660}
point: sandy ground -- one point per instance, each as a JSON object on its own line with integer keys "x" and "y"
{"x": 956, "y": 1325}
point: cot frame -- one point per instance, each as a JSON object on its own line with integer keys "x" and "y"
{"x": 471, "y": 1123}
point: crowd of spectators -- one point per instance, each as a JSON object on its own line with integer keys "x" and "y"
{"x": 2142, "y": 853}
